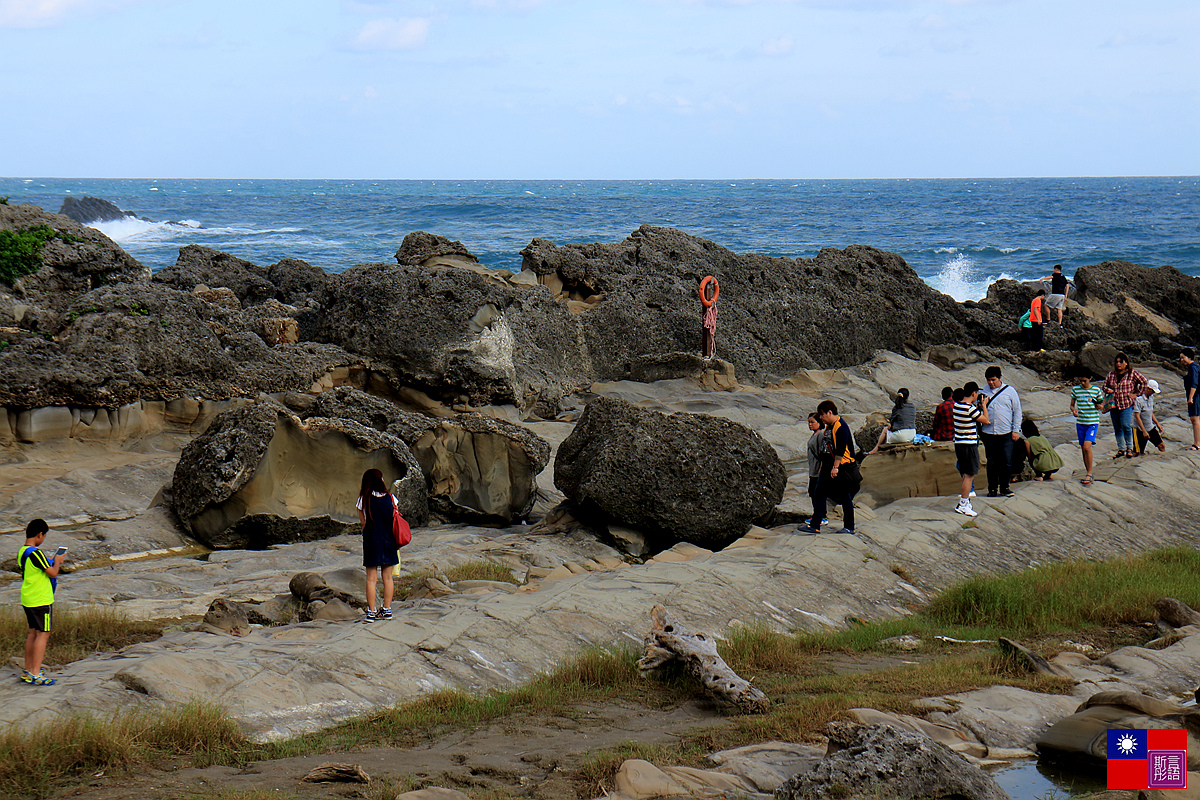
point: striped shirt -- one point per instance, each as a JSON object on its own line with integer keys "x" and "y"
{"x": 965, "y": 431}
{"x": 1086, "y": 412}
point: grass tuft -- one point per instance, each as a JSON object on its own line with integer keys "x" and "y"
{"x": 78, "y": 632}
{"x": 36, "y": 760}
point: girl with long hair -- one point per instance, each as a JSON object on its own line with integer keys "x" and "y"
{"x": 375, "y": 509}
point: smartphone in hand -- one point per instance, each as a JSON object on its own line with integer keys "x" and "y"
{"x": 62, "y": 548}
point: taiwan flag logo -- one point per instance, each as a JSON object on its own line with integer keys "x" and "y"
{"x": 1154, "y": 758}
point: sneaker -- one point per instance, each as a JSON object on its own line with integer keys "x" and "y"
{"x": 384, "y": 613}
{"x": 847, "y": 530}
{"x": 965, "y": 508}
{"x": 972, "y": 494}
{"x": 368, "y": 617}
{"x": 1006, "y": 492}
{"x": 807, "y": 529}
{"x": 993, "y": 493}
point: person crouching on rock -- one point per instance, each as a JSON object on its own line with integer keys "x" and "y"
{"x": 840, "y": 477}
{"x": 1042, "y": 456}
{"x": 375, "y": 509}
{"x": 902, "y": 426}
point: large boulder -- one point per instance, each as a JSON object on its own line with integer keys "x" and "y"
{"x": 681, "y": 476}
{"x": 870, "y": 761}
{"x": 458, "y": 335}
{"x": 258, "y": 476}
{"x": 1148, "y": 302}
{"x": 478, "y": 468}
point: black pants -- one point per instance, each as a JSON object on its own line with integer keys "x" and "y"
{"x": 998, "y": 447}
{"x": 1035, "y": 336}
{"x": 841, "y": 492}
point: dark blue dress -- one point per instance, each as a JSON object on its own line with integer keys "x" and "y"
{"x": 379, "y": 543}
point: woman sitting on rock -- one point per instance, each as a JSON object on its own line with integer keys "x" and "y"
{"x": 1124, "y": 384}
{"x": 902, "y": 427}
{"x": 375, "y": 510}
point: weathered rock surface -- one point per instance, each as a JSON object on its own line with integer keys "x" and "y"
{"x": 457, "y": 334}
{"x": 80, "y": 260}
{"x": 688, "y": 477}
{"x": 121, "y": 344}
{"x": 867, "y": 761}
{"x": 478, "y": 468}
{"x": 290, "y": 281}
{"x": 259, "y": 477}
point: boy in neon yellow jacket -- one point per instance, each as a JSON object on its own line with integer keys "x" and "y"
{"x": 38, "y": 575}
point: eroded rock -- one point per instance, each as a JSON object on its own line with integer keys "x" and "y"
{"x": 259, "y": 476}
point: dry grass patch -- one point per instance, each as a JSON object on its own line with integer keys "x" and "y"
{"x": 78, "y": 632}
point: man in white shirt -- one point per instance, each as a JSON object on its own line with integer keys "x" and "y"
{"x": 1001, "y": 431}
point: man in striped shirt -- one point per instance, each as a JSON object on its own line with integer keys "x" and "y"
{"x": 968, "y": 410}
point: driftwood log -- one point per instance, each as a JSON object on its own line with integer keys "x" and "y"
{"x": 337, "y": 773}
{"x": 1175, "y": 613}
{"x": 668, "y": 641}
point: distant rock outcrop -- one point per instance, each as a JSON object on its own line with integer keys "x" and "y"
{"x": 259, "y": 477}
{"x": 688, "y": 477}
{"x": 91, "y": 209}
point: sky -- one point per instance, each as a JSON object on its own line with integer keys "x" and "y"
{"x": 599, "y": 89}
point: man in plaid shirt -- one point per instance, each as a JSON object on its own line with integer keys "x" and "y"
{"x": 943, "y": 418}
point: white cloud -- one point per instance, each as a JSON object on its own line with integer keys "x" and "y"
{"x": 392, "y": 34}
{"x": 779, "y": 47}
{"x": 45, "y": 13}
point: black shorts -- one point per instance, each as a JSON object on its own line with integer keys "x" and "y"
{"x": 967, "y": 456}
{"x": 39, "y": 617}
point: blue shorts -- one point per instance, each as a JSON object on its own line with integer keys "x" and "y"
{"x": 1086, "y": 433}
{"x": 1194, "y": 406}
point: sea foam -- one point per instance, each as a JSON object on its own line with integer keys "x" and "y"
{"x": 962, "y": 279}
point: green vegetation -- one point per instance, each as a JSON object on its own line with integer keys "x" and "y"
{"x": 481, "y": 571}
{"x": 78, "y": 633}
{"x": 138, "y": 310}
{"x": 20, "y": 251}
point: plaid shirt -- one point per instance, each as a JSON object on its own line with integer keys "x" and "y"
{"x": 943, "y": 421}
{"x": 1124, "y": 388}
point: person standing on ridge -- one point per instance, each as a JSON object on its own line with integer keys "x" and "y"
{"x": 1086, "y": 401}
{"x": 376, "y": 507}
{"x": 1000, "y": 432}
{"x": 1191, "y": 383}
{"x": 968, "y": 410}
{"x": 840, "y": 476}
{"x": 38, "y": 578}
{"x": 1059, "y": 286}
{"x": 1146, "y": 429}
{"x": 1123, "y": 384}
{"x": 943, "y": 417}
{"x": 1037, "y": 314}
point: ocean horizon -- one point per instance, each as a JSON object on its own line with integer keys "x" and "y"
{"x": 960, "y": 235}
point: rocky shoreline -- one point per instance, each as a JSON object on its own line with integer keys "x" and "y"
{"x": 198, "y": 435}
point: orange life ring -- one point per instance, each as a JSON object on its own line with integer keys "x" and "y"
{"x": 716, "y": 290}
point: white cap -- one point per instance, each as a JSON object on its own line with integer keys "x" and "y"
{"x": 1153, "y": 385}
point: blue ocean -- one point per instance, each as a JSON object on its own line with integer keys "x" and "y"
{"x": 959, "y": 235}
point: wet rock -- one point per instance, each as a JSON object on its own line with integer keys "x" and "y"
{"x": 259, "y": 476}
{"x": 882, "y": 761}
{"x": 682, "y": 476}
{"x": 91, "y": 209}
